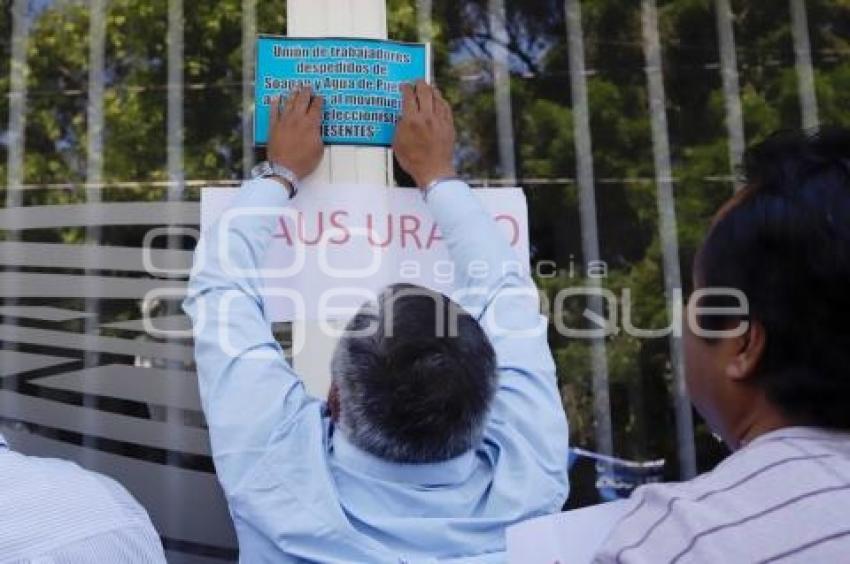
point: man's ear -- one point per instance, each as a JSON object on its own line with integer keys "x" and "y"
{"x": 747, "y": 352}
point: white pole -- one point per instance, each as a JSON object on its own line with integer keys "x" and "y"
{"x": 731, "y": 87}
{"x": 175, "y": 100}
{"x": 94, "y": 110}
{"x": 94, "y": 185}
{"x": 94, "y": 152}
{"x": 365, "y": 165}
{"x": 15, "y": 136}
{"x": 175, "y": 41}
{"x": 17, "y": 103}
{"x": 587, "y": 212}
{"x": 502, "y": 91}
{"x": 805, "y": 71}
{"x": 424, "y": 20}
{"x": 249, "y": 36}
{"x": 668, "y": 232}
{"x": 174, "y": 125}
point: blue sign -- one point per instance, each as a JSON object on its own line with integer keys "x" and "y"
{"x": 359, "y": 80}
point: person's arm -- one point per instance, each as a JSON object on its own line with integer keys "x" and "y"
{"x": 502, "y": 297}
{"x": 248, "y": 391}
{"x": 505, "y": 302}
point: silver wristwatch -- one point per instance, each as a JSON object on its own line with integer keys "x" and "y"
{"x": 266, "y": 169}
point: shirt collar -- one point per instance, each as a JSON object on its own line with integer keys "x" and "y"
{"x": 802, "y": 433}
{"x": 3, "y": 443}
{"x": 433, "y": 474}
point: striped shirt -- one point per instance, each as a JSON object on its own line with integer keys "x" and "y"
{"x": 54, "y": 512}
{"x": 782, "y": 498}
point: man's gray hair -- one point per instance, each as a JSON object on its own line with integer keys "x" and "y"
{"x": 415, "y": 375}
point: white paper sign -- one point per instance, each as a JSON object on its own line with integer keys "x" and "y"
{"x": 571, "y": 537}
{"x": 338, "y": 245}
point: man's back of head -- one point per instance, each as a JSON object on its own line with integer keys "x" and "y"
{"x": 413, "y": 377}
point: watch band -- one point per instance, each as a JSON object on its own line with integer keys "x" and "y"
{"x": 433, "y": 184}
{"x": 266, "y": 169}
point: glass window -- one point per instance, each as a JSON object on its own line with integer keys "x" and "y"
{"x": 623, "y": 122}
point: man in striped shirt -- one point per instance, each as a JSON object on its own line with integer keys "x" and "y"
{"x": 54, "y": 512}
{"x": 770, "y": 374}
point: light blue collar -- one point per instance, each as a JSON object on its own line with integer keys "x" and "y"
{"x": 432, "y": 474}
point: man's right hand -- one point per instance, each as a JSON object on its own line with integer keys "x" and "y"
{"x": 295, "y": 137}
{"x": 425, "y": 136}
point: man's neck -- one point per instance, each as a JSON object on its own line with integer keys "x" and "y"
{"x": 762, "y": 419}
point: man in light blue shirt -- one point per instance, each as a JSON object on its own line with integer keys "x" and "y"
{"x": 53, "y": 511}
{"x": 436, "y": 435}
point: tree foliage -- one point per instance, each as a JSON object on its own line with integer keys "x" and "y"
{"x": 136, "y": 123}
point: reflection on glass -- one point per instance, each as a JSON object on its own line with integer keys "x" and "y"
{"x": 731, "y": 90}
{"x": 803, "y": 55}
{"x": 667, "y": 227}
{"x": 622, "y": 121}
{"x": 587, "y": 215}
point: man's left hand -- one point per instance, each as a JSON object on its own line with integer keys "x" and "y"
{"x": 295, "y": 137}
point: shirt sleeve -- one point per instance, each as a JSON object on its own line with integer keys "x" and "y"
{"x": 505, "y": 301}
{"x": 128, "y": 545}
{"x": 248, "y": 390}
{"x": 132, "y": 538}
